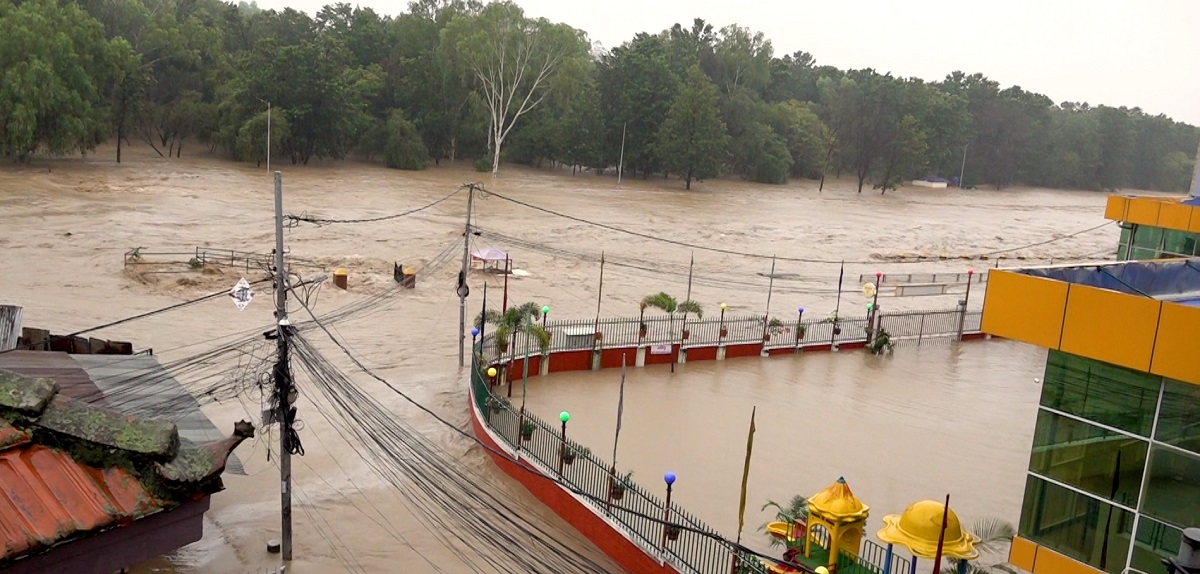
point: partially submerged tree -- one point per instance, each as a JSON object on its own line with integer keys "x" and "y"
{"x": 512, "y": 59}
{"x": 521, "y": 319}
{"x": 692, "y": 139}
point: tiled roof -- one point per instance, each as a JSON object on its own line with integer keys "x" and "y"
{"x": 71, "y": 469}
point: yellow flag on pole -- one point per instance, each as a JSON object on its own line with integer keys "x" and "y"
{"x": 746, "y": 475}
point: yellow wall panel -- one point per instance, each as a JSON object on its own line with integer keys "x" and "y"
{"x": 1175, "y": 346}
{"x": 1143, "y": 211}
{"x": 1024, "y": 308}
{"x": 1051, "y": 562}
{"x": 1115, "y": 210}
{"x": 1110, "y": 326}
{"x": 1021, "y": 553}
{"x": 1194, "y": 226}
{"x": 1175, "y": 216}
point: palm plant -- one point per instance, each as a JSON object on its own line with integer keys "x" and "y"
{"x": 795, "y": 511}
{"x": 523, "y": 318}
{"x": 670, "y": 306}
{"x": 995, "y": 536}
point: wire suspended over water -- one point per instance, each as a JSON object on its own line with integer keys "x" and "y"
{"x": 293, "y": 220}
{"x": 765, "y": 256}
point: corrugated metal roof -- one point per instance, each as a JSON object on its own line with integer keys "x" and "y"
{"x": 48, "y": 497}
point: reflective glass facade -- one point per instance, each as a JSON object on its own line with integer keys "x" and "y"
{"x": 1146, "y": 242}
{"x": 1115, "y": 452}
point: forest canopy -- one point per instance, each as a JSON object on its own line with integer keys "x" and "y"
{"x": 457, "y": 79}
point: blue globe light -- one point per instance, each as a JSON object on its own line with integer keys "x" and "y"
{"x": 669, "y": 477}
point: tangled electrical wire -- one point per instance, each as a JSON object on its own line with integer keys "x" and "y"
{"x": 450, "y": 504}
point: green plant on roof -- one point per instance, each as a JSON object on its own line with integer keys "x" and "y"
{"x": 995, "y": 537}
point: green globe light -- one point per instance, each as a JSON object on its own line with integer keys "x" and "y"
{"x": 564, "y": 416}
{"x": 546, "y": 310}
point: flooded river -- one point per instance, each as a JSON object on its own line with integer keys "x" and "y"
{"x": 67, "y": 223}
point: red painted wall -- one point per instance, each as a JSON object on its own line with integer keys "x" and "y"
{"x": 624, "y": 552}
{"x": 611, "y": 358}
{"x": 652, "y": 359}
{"x": 702, "y": 354}
{"x": 744, "y": 350}
{"x": 570, "y": 361}
{"x": 518, "y": 367}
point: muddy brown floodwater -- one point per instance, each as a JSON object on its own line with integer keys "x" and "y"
{"x": 65, "y": 225}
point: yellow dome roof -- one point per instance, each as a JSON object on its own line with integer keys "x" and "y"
{"x": 838, "y": 503}
{"x": 918, "y": 527}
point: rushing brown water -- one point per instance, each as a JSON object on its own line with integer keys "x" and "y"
{"x": 64, "y": 226}
{"x": 939, "y": 418}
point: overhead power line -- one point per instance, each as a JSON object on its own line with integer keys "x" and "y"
{"x": 133, "y": 317}
{"x": 766, "y": 256}
{"x": 294, "y": 220}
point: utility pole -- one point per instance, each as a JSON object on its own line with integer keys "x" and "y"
{"x": 463, "y": 290}
{"x": 268, "y": 137}
{"x": 963, "y": 172}
{"x": 283, "y": 377}
{"x": 621, "y": 162}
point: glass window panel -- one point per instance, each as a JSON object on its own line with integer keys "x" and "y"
{"x": 1147, "y": 237}
{"x": 1085, "y": 456}
{"x": 1076, "y": 525}
{"x": 1179, "y": 421}
{"x": 1100, "y": 392}
{"x": 1179, "y": 243}
{"x": 1155, "y": 541}
{"x": 1123, "y": 246}
{"x": 1173, "y": 494}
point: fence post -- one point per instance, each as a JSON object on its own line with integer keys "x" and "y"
{"x": 962, "y": 313}
{"x": 921, "y": 330}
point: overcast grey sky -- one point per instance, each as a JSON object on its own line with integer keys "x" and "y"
{"x": 1133, "y": 52}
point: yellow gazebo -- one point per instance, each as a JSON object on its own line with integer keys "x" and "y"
{"x": 842, "y": 514}
{"x": 918, "y": 529}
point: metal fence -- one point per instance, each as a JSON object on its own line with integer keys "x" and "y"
{"x": 694, "y": 547}
{"x": 774, "y": 332}
{"x": 198, "y": 257}
{"x": 871, "y": 560}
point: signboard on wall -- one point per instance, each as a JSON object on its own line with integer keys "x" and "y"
{"x": 660, "y": 349}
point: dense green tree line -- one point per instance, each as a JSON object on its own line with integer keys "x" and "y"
{"x": 453, "y": 79}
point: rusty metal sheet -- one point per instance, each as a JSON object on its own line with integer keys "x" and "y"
{"x": 48, "y": 497}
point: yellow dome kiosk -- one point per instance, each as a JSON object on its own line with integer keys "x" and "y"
{"x": 919, "y": 529}
{"x": 839, "y": 513}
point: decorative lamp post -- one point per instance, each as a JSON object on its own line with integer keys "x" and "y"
{"x": 474, "y": 334}
{"x": 562, "y": 453}
{"x": 875, "y": 300}
{"x": 799, "y": 325}
{"x": 669, "y": 532}
{"x": 722, "y": 324}
{"x": 545, "y": 312}
{"x": 491, "y": 373}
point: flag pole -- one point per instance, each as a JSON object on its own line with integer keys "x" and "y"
{"x": 833, "y": 332}
{"x": 599, "y": 298}
{"x": 617, "y": 433}
{"x": 770, "y": 288}
{"x": 937, "y": 560}
{"x": 691, "y": 265}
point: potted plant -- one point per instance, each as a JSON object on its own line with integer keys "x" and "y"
{"x": 494, "y": 404}
{"x": 672, "y": 532}
{"x": 527, "y": 428}
{"x": 669, "y": 305}
{"x": 686, "y": 334}
{"x": 800, "y": 331}
{"x": 881, "y": 343}
{"x": 724, "y": 331}
{"x": 617, "y": 485}
{"x": 642, "y": 331}
{"x": 599, "y": 335}
{"x": 568, "y": 454}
